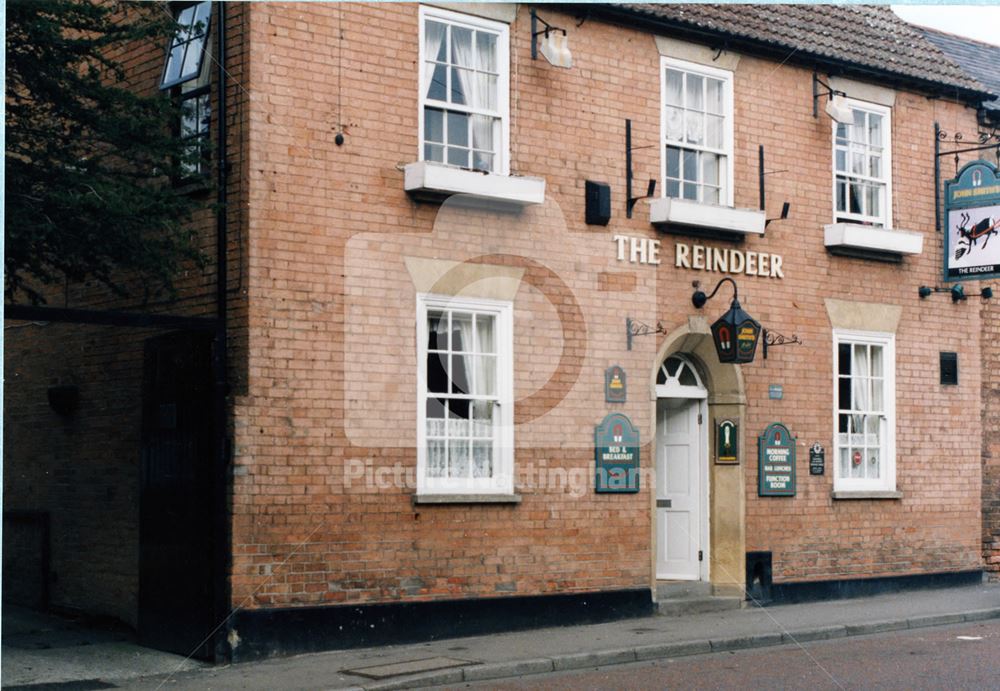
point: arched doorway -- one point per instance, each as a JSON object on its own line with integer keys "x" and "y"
{"x": 682, "y": 498}
{"x": 691, "y": 393}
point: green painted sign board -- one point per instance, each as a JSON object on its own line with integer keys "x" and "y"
{"x": 726, "y": 445}
{"x": 616, "y": 455}
{"x": 972, "y": 223}
{"x": 776, "y": 462}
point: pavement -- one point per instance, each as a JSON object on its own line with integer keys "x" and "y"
{"x": 540, "y": 651}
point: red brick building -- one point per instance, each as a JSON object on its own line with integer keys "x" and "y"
{"x": 429, "y": 312}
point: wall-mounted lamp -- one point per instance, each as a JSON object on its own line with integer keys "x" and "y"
{"x": 735, "y": 333}
{"x": 957, "y": 292}
{"x": 836, "y": 105}
{"x": 554, "y": 43}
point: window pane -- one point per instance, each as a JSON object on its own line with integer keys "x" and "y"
{"x": 695, "y": 92}
{"x": 673, "y": 188}
{"x": 874, "y": 200}
{"x": 844, "y": 393}
{"x": 435, "y": 417}
{"x": 875, "y": 130}
{"x": 873, "y": 429}
{"x": 714, "y": 126}
{"x": 435, "y": 457}
{"x": 434, "y": 152}
{"x": 855, "y": 198}
{"x": 433, "y": 125}
{"x": 437, "y": 372}
{"x": 858, "y": 128}
{"x": 458, "y": 418}
{"x": 434, "y": 36}
{"x": 710, "y": 195}
{"x": 461, "y": 47}
{"x": 460, "y": 379}
{"x": 841, "y": 195}
{"x": 458, "y": 129}
{"x": 484, "y": 333}
{"x": 843, "y": 426}
{"x": 437, "y": 330}
{"x": 877, "y": 361}
{"x": 458, "y": 458}
{"x": 173, "y": 70}
{"x": 482, "y": 161}
{"x": 192, "y": 58}
{"x": 482, "y": 133}
{"x": 675, "y": 123}
{"x": 461, "y": 332}
{"x": 482, "y": 459}
{"x": 438, "y": 87}
{"x": 857, "y": 462}
{"x": 841, "y": 160}
{"x": 482, "y": 416}
{"x": 674, "y": 85}
{"x": 875, "y": 166}
{"x": 458, "y": 157}
{"x": 486, "y": 51}
{"x": 844, "y": 358}
{"x": 710, "y": 169}
{"x": 690, "y": 166}
{"x": 459, "y": 80}
{"x": 878, "y": 395}
{"x": 695, "y": 127}
{"x": 845, "y": 462}
{"x": 713, "y": 96}
{"x": 874, "y": 463}
{"x": 857, "y": 163}
{"x": 841, "y": 133}
{"x": 485, "y": 92}
{"x": 484, "y": 373}
{"x": 673, "y": 162}
{"x": 691, "y": 191}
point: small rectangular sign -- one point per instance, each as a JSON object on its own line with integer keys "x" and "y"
{"x": 726, "y": 444}
{"x": 616, "y": 455}
{"x": 615, "y": 385}
{"x": 817, "y": 460}
{"x": 776, "y": 462}
{"x": 775, "y": 392}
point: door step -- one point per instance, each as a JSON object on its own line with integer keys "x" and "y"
{"x": 678, "y": 607}
{"x": 678, "y": 598}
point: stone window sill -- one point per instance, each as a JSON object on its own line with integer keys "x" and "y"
{"x": 869, "y": 242}
{"x": 686, "y": 217}
{"x": 866, "y": 494}
{"x": 424, "y": 499}
{"x": 427, "y": 181}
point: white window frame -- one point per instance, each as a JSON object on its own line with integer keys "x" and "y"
{"x": 502, "y": 481}
{"x": 888, "y": 480}
{"x": 726, "y": 198}
{"x": 503, "y": 79}
{"x": 885, "y": 220}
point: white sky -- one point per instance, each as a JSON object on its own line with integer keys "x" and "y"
{"x": 981, "y": 22}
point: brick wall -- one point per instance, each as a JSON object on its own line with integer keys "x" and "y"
{"x": 331, "y": 323}
{"x": 84, "y": 468}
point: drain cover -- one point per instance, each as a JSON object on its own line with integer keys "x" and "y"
{"x": 398, "y": 669}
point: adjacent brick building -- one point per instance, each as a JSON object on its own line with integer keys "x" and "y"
{"x": 424, "y": 310}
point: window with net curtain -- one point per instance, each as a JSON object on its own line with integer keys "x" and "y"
{"x": 861, "y": 163}
{"x": 697, "y": 130}
{"x": 865, "y": 391}
{"x": 465, "y": 394}
{"x": 463, "y": 95}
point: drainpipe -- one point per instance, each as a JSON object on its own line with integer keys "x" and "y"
{"x": 220, "y": 487}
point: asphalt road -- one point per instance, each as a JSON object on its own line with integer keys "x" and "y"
{"x": 963, "y": 656}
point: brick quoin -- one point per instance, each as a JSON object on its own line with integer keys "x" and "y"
{"x": 323, "y": 349}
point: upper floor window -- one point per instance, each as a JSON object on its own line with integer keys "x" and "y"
{"x": 187, "y": 49}
{"x": 697, "y": 127}
{"x": 862, "y": 167}
{"x": 865, "y": 401}
{"x": 464, "y": 86}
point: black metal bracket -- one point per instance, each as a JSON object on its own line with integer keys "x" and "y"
{"x": 985, "y": 141}
{"x": 772, "y": 339}
{"x": 761, "y": 173}
{"x": 536, "y": 32}
{"x": 829, "y": 93}
{"x": 634, "y": 328}
{"x": 630, "y": 201}
{"x": 698, "y": 298}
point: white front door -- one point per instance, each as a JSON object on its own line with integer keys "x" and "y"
{"x": 681, "y": 497}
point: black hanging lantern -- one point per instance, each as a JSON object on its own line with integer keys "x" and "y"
{"x": 735, "y": 333}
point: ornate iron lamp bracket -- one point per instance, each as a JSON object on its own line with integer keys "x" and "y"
{"x": 634, "y": 328}
{"x": 983, "y": 141}
{"x": 772, "y": 338}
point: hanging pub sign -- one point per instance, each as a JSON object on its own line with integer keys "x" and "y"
{"x": 614, "y": 384}
{"x": 725, "y": 443}
{"x": 972, "y": 217}
{"x": 616, "y": 455}
{"x": 776, "y": 462}
{"x": 735, "y": 334}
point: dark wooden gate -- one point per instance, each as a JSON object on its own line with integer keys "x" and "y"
{"x": 176, "y": 498}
